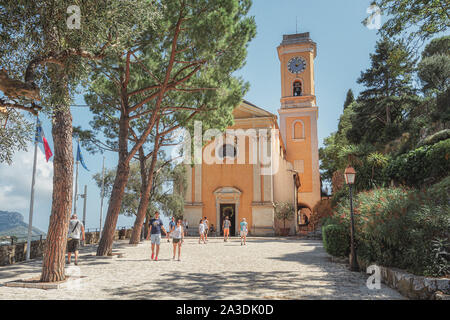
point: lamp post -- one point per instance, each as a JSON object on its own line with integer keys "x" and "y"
{"x": 350, "y": 175}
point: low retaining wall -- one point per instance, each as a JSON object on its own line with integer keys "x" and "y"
{"x": 412, "y": 286}
{"x": 10, "y": 254}
{"x": 415, "y": 287}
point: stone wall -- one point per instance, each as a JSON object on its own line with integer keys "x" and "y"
{"x": 10, "y": 254}
{"x": 413, "y": 286}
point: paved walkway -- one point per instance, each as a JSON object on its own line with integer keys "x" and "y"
{"x": 267, "y": 268}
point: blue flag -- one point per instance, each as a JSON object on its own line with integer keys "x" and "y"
{"x": 80, "y": 157}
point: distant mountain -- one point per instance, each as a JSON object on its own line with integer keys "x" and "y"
{"x": 11, "y": 224}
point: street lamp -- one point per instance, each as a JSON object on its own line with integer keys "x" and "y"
{"x": 350, "y": 175}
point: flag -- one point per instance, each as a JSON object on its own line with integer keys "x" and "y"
{"x": 41, "y": 138}
{"x": 80, "y": 157}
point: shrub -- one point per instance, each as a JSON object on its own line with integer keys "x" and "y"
{"x": 421, "y": 166}
{"x": 396, "y": 227}
{"x": 336, "y": 239}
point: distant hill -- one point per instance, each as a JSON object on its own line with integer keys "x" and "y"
{"x": 11, "y": 224}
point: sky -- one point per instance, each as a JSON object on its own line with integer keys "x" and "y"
{"x": 343, "y": 48}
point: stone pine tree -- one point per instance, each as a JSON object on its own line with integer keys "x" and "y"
{"x": 181, "y": 69}
{"x": 44, "y": 47}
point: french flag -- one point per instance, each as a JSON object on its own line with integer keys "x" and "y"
{"x": 41, "y": 138}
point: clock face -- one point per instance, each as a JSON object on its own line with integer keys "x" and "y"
{"x": 296, "y": 65}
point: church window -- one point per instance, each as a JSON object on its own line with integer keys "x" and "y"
{"x": 297, "y": 89}
{"x": 227, "y": 151}
{"x": 298, "y": 130}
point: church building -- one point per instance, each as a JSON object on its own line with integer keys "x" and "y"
{"x": 263, "y": 158}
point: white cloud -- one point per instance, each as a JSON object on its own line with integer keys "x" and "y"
{"x": 15, "y": 186}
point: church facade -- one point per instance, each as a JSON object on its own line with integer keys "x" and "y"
{"x": 263, "y": 158}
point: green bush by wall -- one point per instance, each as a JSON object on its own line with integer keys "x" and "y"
{"x": 397, "y": 227}
{"x": 336, "y": 240}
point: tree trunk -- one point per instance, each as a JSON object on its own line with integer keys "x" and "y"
{"x": 146, "y": 228}
{"x": 55, "y": 247}
{"x": 120, "y": 182}
{"x": 145, "y": 195}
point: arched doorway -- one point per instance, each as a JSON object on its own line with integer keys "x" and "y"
{"x": 227, "y": 203}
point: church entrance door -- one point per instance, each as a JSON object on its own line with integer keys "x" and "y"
{"x": 228, "y": 209}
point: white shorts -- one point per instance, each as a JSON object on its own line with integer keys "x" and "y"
{"x": 243, "y": 233}
{"x": 156, "y": 239}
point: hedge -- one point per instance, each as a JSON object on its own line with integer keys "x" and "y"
{"x": 336, "y": 240}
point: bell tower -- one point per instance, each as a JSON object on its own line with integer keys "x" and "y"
{"x": 299, "y": 113}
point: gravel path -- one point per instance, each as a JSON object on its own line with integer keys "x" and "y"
{"x": 267, "y": 268}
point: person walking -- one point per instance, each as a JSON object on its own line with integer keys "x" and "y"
{"x": 201, "y": 231}
{"x": 206, "y": 223}
{"x": 177, "y": 239}
{"x": 244, "y": 231}
{"x": 226, "y": 229}
{"x": 171, "y": 227}
{"x": 186, "y": 225}
{"x": 76, "y": 231}
{"x": 156, "y": 225}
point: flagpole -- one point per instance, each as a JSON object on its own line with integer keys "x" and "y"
{"x": 76, "y": 184}
{"x": 33, "y": 179}
{"x": 102, "y": 195}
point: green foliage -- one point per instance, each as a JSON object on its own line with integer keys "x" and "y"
{"x": 437, "y": 46}
{"x": 336, "y": 239}
{"x": 38, "y": 29}
{"x": 396, "y": 227}
{"x": 435, "y": 138}
{"x": 439, "y": 262}
{"x": 15, "y": 136}
{"x": 434, "y": 72}
{"x": 349, "y": 98}
{"x": 421, "y": 166}
{"x": 419, "y": 19}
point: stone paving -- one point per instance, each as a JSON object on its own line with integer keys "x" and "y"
{"x": 267, "y": 268}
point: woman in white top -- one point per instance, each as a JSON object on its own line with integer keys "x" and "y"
{"x": 178, "y": 239}
{"x": 201, "y": 231}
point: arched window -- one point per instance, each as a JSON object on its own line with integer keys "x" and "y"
{"x": 298, "y": 130}
{"x": 297, "y": 92}
{"x": 227, "y": 151}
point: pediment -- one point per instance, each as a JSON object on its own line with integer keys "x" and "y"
{"x": 248, "y": 110}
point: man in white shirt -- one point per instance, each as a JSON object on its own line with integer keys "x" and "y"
{"x": 76, "y": 232}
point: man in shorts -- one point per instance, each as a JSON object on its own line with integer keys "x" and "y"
{"x": 171, "y": 227}
{"x": 226, "y": 229}
{"x": 156, "y": 225}
{"x": 76, "y": 231}
{"x": 244, "y": 230}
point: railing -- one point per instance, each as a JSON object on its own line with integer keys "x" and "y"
{"x": 12, "y": 240}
